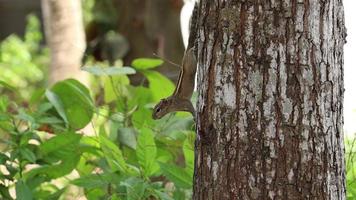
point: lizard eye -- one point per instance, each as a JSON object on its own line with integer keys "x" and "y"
{"x": 158, "y": 110}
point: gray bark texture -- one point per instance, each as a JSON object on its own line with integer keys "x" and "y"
{"x": 65, "y": 37}
{"x": 270, "y": 103}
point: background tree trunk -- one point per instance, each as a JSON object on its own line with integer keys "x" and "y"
{"x": 270, "y": 113}
{"x": 152, "y": 26}
{"x": 65, "y": 37}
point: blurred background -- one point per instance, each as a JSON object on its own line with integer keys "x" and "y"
{"x": 95, "y": 139}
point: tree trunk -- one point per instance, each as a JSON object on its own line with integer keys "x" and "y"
{"x": 65, "y": 36}
{"x": 152, "y": 26}
{"x": 270, "y": 115}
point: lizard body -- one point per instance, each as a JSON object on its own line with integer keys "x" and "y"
{"x": 180, "y": 99}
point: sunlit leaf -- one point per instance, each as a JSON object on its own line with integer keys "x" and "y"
{"x": 146, "y": 63}
{"x": 72, "y": 102}
{"x": 159, "y": 85}
{"x": 57, "y": 103}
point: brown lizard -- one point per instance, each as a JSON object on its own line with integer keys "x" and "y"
{"x": 180, "y": 99}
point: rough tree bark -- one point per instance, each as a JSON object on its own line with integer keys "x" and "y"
{"x": 270, "y": 116}
{"x": 65, "y": 36}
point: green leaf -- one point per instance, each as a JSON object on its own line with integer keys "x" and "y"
{"x": 23, "y": 192}
{"x": 117, "y": 117}
{"x": 163, "y": 195}
{"x": 109, "y": 71}
{"x": 57, "y": 103}
{"x": 179, "y": 176}
{"x": 135, "y": 188}
{"x": 127, "y": 136}
{"x": 49, "y": 120}
{"x": 143, "y": 118}
{"x": 4, "y": 103}
{"x": 37, "y": 95}
{"x": 24, "y": 116}
{"x": 93, "y": 181}
{"x": 159, "y": 85}
{"x": 3, "y": 158}
{"x": 146, "y": 151}
{"x": 61, "y": 145}
{"x": 28, "y": 155}
{"x": 188, "y": 150}
{"x": 115, "y": 87}
{"x": 4, "y": 192}
{"x": 8, "y": 86}
{"x": 72, "y": 102}
{"x": 64, "y": 167}
{"x": 146, "y": 63}
{"x": 113, "y": 155}
{"x": 141, "y": 96}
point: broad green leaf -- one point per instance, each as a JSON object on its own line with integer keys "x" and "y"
{"x": 22, "y": 191}
{"x": 113, "y": 155}
{"x": 114, "y": 197}
{"x": 37, "y": 95}
{"x": 180, "y": 194}
{"x": 163, "y": 195}
{"x": 135, "y": 188}
{"x": 4, "y": 192}
{"x": 57, "y": 103}
{"x": 117, "y": 117}
{"x": 52, "y": 194}
{"x": 188, "y": 150}
{"x": 147, "y": 151}
{"x": 146, "y": 63}
{"x": 73, "y": 102}
{"x": 5, "y": 117}
{"x": 4, "y": 103}
{"x": 8, "y": 86}
{"x": 49, "y": 120}
{"x": 143, "y": 118}
{"x": 95, "y": 194}
{"x": 61, "y": 145}
{"x": 115, "y": 87}
{"x": 179, "y": 176}
{"x": 44, "y": 107}
{"x": 127, "y": 136}
{"x": 164, "y": 155}
{"x": 90, "y": 182}
{"x": 28, "y": 155}
{"x": 93, "y": 181}
{"x": 64, "y": 167}
{"x": 159, "y": 85}
{"x": 109, "y": 71}
{"x": 24, "y": 116}
{"x": 176, "y": 127}
{"x": 3, "y": 158}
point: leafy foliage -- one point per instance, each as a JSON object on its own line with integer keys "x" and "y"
{"x": 22, "y": 61}
{"x": 351, "y": 168}
{"x": 127, "y": 155}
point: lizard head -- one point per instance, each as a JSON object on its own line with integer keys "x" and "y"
{"x": 162, "y": 108}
